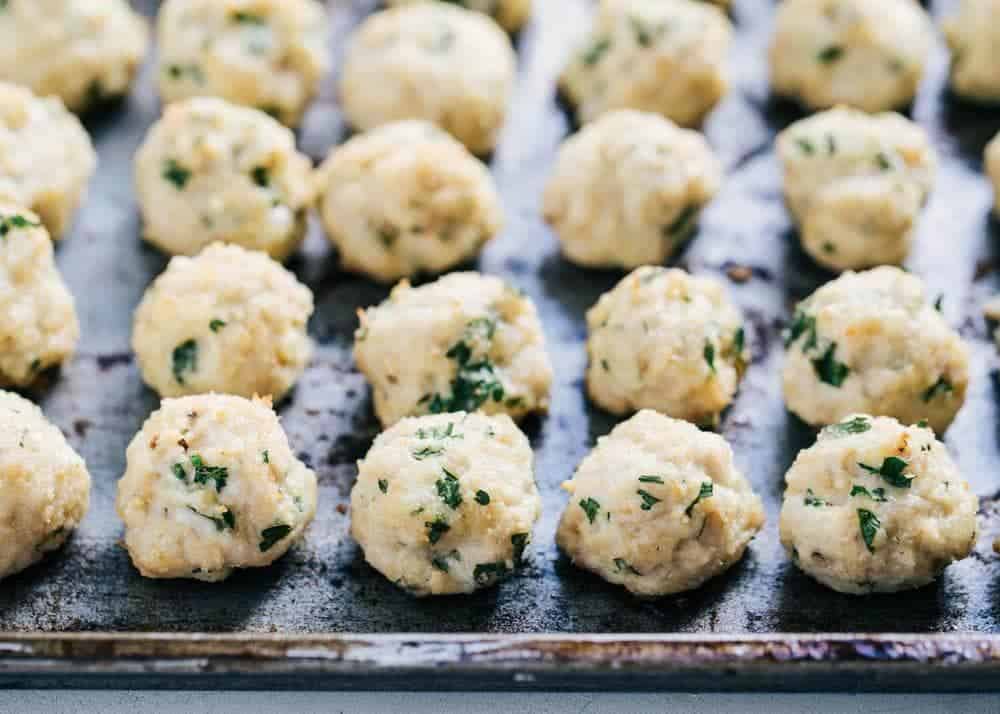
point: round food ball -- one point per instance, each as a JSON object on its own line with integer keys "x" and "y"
{"x": 212, "y": 171}
{"x": 38, "y": 324}
{"x": 627, "y": 190}
{"x": 855, "y": 184}
{"x": 869, "y": 55}
{"x": 659, "y": 507}
{"x": 266, "y": 54}
{"x": 973, "y": 36}
{"x": 406, "y": 198}
{"x": 875, "y": 506}
{"x": 446, "y": 503}
{"x": 510, "y": 14}
{"x": 211, "y": 485}
{"x": 44, "y": 485}
{"x": 430, "y": 61}
{"x": 663, "y": 57}
{"x": 991, "y": 163}
{"x": 46, "y": 157}
{"x": 83, "y": 51}
{"x": 872, "y": 343}
{"x": 229, "y": 320}
{"x": 663, "y": 339}
{"x": 466, "y": 342}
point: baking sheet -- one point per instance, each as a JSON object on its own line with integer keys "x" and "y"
{"x": 86, "y": 612}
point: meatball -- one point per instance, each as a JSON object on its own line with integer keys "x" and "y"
{"x": 856, "y": 184}
{"x": 627, "y": 190}
{"x": 212, "y": 171}
{"x": 266, "y": 54}
{"x": 466, "y": 342}
{"x": 973, "y": 35}
{"x": 991, "y": 162}
{"x": 665, "y": 340}
{"x": 38, "y": 324}
{"x": 430, "y": 61}
{"x": 406, "y": 198}
{"x": 44, "y": 485}
{"x": 875, "y": 506}
{"x": 446, "y": 503}
{"x": 211, "y": 485}
{"x": 663, "y": 57}
{"x": 869, "y": 55}
{"x": 873, "y": 343}
{"x": 46, "y": 157}
{"x": 83, "y": 51}
{"x": 511, "y": 14}
{"x": 229, "y": 320}
{"x": 659, "y": 507}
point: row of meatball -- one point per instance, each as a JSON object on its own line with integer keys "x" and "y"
{"x": 447, "y": 503}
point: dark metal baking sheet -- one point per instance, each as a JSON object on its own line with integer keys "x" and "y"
{"x": 322, "y": 616}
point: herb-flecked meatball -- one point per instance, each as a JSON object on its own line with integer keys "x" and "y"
{"x": 211, "y": 485}
{"x": 446, "y": 503}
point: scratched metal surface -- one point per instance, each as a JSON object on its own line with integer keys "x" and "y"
{"x": 324, "y": 586}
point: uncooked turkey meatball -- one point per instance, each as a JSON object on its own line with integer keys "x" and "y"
{"x": 510, "y": 14}
{"x": 467, "y": 342}
{"x": 869, "y": 55}
{"x": 659, "y": 507}
{"x": 44, "y": 485}
{"x": 667, "y": 57}
{"x": 38, "y": 324}
{"x": 666, "y": 340}
{"x": 873, "y": 343}
{"x": 446, "y": 503}
{"x": 405, "y": 199}
{"x": 212, "y": 171}
{"x": 628, "y": 189}
{"x": 211, "y": 485}
{"x": 430, "y": 61}
{"x": 265, "y": 54}
{"x": 875, "y": 506}
{"x": 856, "y": 184}
{"x": 973, "y": 35}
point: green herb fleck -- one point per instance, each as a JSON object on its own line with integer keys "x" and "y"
{"x": 739, "y": 341}
{"x": 941, "y": 386}
{"x": 831, "y": 144}
{"x": 648, "y": 499}
{"x": 435, "y": 432}
{"x": 709, "y": 354}
{"x": 892, "y": 471}
{"x": 704, "y": 492}
{"x": 482, "y": 498}
{"x": 811, "y": 499}
{"x": 204, "y": 473}
{"x": 869, "y": 524}
{"x": 857, "y": 425}
{"x": 216, "y": 325}
{"x": 830, "y": 54}
{"x": 828, "y": 369}
{"x": 876, "y": 494}
{"x": 802, "y": 324}
{"x": 448, "y": 490}
{"x": 938, "y": 302}
{"x": 15, "y": 220}
{"x": 265, "y": 456}
{"x": 426, "y": 452}
{"x": 270, "y": 536}
{"x": 622, "y": 564}
{"x": 261, "y": 176}
{"x": 590, "y": 507}
{"x": 808, "y": 148}
{"x": 185, "y": 359}
{"x": 223, "y": 522}
{"x": 651, "y": 479}
{"x": 436, "y": 528}
{"x": 176, "y": 174}
{"x": 248, "y": 18}
{"x": 593, "y": 54}
{"x": 179, "y": 472}
{"x": 882, "y": 161}
{"x": 475, "y": 381}
{"x": 683, "y": 225}
{"x": 383, "y": 485}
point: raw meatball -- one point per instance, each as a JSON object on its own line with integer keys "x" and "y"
{"x": 46, "y": 157}
{"x": 212, "y": 171}
{"x": 266, "y": 54}
{"x": 659, "y": 507}
{"x": 991, "y": 163}
{"x": 511, "y": 14}
{"x": 44, "y": 485}
{"x": 856, "y": 184}
{"x": 665, "y": 340}
{"x": 872, "y": 343}
{"x": 467, "y": 342}
{"x": 405, "y": 199}
{"x": 211, "y": 485}
{"x": 229, "y": 320}
{"x": 82, "y": 51}
{"x": 667, "y": 57}
{"x": 430, "y": 61}
{"x": 627, "y": 190}
{"x": 870, "y": 55}
{"x": 446, "y": 503}
{"x": 38, "y": 324}
{"x": 973, "y": 35}
{"x": 875, "y": 506}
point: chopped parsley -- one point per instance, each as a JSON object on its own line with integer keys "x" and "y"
{"x": 425, "y": 452}
{"x": 831, "y": 144}
{"x": 590, "y": 507}
{"x": 683, "y": 224}
{"x": 704, "y": 492}
{"x": 440, "y": 562}
{"x": 482, "y": 498}
{"x": 651, "y": 479}
{"x": 857, "y": 425}
{"x": 179, "y": 472}
{"x": 808, "y": 148}
{"x": 709, "y": 354}
{"x": 216, "y": 325}
{"x": 248, "y": 18}
{"x": 941, "y": 386}
{"x": 176, "y": 174}
{"x": 185, "y": 359}
{"x": 876, "y": 494}
{"x": 222, "y": 522}
{"x": 892, "y": 471}
{"x": 938, "y": 302}
{"x": 593, "y": 54}
{"x": 483, "y": 573}
{"x": 828, "y": 369}
{"x": 739, "y": 342}
{"x": 622, "y": 564}
{"x": 475, "y": 381}
{"x": 830, "y": 54}
{"x": 519, "y": 541}
{"x": 383, "y": 485}
{"x": 644, "y": 35}
{"x": 869, "y": 524}
{"x": 648, "y": 499}
{"x": 15, "y": 220}
{"x": 204, "y": 473}
{"x": 882, "y": 161}
{"x": 802, "y": 324}
{"x": 436, "y": 528}
{"x": 448, "y": 489}
{"x": 270, "y": 536}
{"x": 265, "y": 456}
{"x": 261, "y": 176}
{"x": 811, "y": 499}
{"x": 435, "y": 432}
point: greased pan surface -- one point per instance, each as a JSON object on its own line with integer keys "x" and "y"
{"x": 321, "y": 614}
